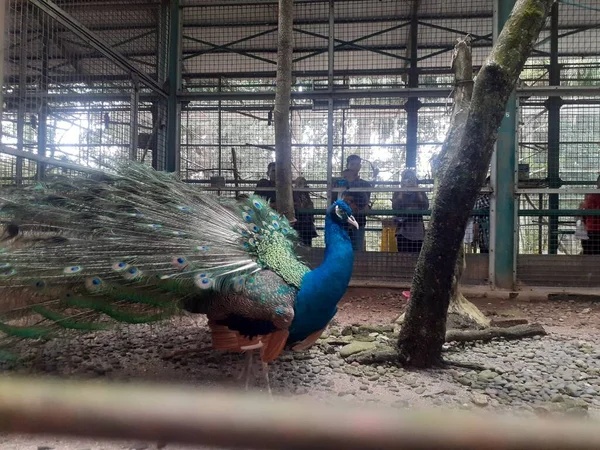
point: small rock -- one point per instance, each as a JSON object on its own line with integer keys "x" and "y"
{"x": 572, "y": 390}
{"x": 347, "y": 331}
{"x": 486, "y": 375}
{"x": 356, "y": 347}
{"x": 420, "y": 390}
{"x": 464, "y": 381}
{"x": 480, "y": 400}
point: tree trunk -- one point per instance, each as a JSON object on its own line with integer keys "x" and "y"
{"x": 470, "y": 146}
{"x": 462, "y": 313}
{"x": 283, "y": 139}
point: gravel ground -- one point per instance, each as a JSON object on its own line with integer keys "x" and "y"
{"x": 554, "y": 374}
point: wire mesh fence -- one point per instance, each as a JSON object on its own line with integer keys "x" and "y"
{"x": 67, "y": 100}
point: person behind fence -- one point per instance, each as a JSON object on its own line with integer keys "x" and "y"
{"x": 410, "y": 229}
{"x": 481, "y": 224}
{"x": 305, "y": 222}
{"x": 359, "y": 201}
{"x": 591, "y": 245}
{"x": 270, "y": 182}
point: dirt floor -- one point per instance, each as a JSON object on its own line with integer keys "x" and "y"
{"x": 564, "y": 366}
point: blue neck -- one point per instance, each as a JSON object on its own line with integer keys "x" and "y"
{"x": 336, "y": 269}
{"x": 325, "y": 286}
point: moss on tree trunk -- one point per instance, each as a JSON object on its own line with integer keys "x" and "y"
{"x": 283, "y": 139}
{"x": 470, "y": 146}
{"x": 461, "y": 313}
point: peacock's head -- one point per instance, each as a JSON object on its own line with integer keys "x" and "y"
{"x": 341, "y": 213}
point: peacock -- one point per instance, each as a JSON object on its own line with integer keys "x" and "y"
{"x": 135, "y": 245}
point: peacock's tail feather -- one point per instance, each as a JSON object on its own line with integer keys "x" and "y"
{"x": 128, "y": 247}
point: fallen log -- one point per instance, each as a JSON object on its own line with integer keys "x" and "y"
{"x": 487, "y": 334}
{"x": 390, "y": 354}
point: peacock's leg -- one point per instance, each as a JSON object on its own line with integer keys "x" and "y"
{"x": 265, "y": 367}
{"x": 248, "y": 368}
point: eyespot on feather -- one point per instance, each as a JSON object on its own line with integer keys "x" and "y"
{"x": 132, "y": 274}
{"x": 71, "y": 270}
{"x": 203, "y": 281}
{"x": 180, "y": 262}
{"x": 94, "y": 284}
{"x": 120, "y": 266}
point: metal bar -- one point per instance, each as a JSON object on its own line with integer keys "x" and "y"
{"x": 553, "y": 105}
{"x": 172, "y": 152}
{"x": 549, "y": 91}
{"x": 317, "y": 50}
{"x": 549, "y": 191}
{"x": 487, "y": 37}
{"x": 90, "y": 37}
{"x": 21, "y": 99}
{"x": 330, "y": 80}
{"x": 522, "y": 92}
{"x": 338, "y": 93}
{"x": 43, "y": 116}
{"x": 220, "y": 129}
{"x": 502, "y": 207}
{"x": 227, "y": 46}
{"x": 343, "y": 144}
{"x": 413, "y": 103}
{"x": 82, "y": 97}
{"x": 46, "y": 160}
{"x": 343, "y": 44}
{"x": 185, "y": 415}
{"x": 135, "y": 102}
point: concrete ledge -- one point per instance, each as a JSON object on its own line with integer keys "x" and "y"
{"x": 523, "y": 293}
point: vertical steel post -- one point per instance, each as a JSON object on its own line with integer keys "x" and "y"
{"x": 172, "y": 154}
{"x": 135, "y": 106}
{"x": 24, "y": 36}
{"x": 553, "y": 104}
{"x": 413, "y": 104}
{"x": 43, "y": 117}
{"x": 220, "y": 129}
{"x": 503, "y": 209}
{"x": 330, "y": 73}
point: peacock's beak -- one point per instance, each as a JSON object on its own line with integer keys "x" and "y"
{"x": 352, "y": 221}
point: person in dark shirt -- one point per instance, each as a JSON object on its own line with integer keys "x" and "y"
{"x": 358, "y": 201}
{"x": 270, "y": 182}
{"x": 481, "y": 224}
{"x": 305, "y": 222}
{"x": 410, "y": 230}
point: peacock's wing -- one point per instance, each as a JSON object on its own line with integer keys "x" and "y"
{"x": 129, "y": 246}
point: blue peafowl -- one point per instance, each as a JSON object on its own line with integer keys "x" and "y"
{"x": 140, "y": 246}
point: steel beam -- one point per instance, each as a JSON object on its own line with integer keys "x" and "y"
{"x": 172, "y": 156}
{"x": 413, "y": 103}
{"x": 338, "y": 93}
{"x": 553, "y": 105}
{"x": 330, "y": 81}
{"x": 503, "y": 217}
{"x": 88, "y": 36}
{"x": 44, "y": 159}
{"x": 135, "y": 103}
